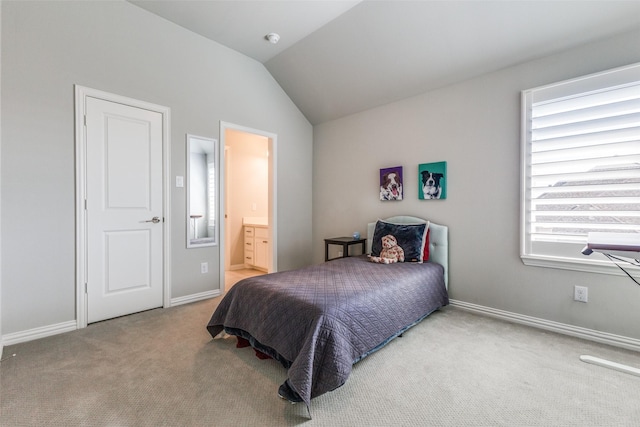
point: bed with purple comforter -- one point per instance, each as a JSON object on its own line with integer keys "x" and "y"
{"x": 320, "y": 320}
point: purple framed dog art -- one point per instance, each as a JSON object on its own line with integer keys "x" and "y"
{"x": 391, "y": 183}
{"x": 432, "y": 181}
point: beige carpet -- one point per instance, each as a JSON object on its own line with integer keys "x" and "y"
{"x": 161, "y": 368}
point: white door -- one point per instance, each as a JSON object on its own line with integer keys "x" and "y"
{"x": 124, "y": 205}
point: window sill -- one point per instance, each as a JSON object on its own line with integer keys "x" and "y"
{"x": 590, "y": 264}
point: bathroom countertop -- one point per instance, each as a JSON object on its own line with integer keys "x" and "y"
{"x": 255, "y": 221}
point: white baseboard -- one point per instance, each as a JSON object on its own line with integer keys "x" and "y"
{"x": 195, "y": 297}
{"x": 36, "y": 333}
{"x": 561, "y": 328}
{"x": 60, "y": 328}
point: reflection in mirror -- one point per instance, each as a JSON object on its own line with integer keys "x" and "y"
{"x": 201, "y": 192}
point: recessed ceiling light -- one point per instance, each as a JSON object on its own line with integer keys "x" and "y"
{"x": 273, "y": 38}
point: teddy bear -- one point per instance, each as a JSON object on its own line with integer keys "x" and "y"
{"x": 390, "y": 252}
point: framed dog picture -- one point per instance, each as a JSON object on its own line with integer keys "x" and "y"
{"x": 432, "y": 181}
{"x": 391, "y": 183}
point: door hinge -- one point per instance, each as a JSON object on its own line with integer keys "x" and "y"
{"x": 85, "y": 204}
{"x": 86, "y": 289}
{"x": 85, "y": 120}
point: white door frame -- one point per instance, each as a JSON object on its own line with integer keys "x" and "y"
{"x": 273, "y": 199}
{"x": 224, "y": 170}
{"x": 81, "y": 93}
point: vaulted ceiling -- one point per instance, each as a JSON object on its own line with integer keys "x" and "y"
{"x": 336, "y": 58}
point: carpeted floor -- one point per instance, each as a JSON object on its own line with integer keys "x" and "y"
{"x": 161, "y": 368}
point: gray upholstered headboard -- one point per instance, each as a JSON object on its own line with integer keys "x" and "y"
{"x": 438, "y": 240}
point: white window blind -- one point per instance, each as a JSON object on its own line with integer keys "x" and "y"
{"x": 581, "y": 163}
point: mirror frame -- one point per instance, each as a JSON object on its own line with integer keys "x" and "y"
{"x": 191, "y": 141}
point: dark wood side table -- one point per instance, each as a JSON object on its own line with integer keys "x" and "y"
{"x": 345, "y": 242}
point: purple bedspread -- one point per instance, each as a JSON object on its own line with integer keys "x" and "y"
{"x": 319, "y": 320}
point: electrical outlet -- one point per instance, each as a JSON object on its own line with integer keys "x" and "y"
{"x": 581, "y": 293}
{"x": 204, "y": 267}
{"x": 339, "y": 253}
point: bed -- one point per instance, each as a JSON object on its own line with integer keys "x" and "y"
{"x": 319, "y": 320}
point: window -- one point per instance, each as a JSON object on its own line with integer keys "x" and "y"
{"x": 580, "y": 166}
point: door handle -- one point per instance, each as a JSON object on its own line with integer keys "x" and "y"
{"x": 154, "y": 220}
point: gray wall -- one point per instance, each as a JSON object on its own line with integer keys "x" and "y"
{"x": 475, "y": 127}
{"x": 114, "y": 46}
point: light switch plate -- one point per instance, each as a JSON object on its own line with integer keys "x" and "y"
{"x": 179, "y": 181}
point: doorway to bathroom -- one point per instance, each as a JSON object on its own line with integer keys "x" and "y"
{"x": 249, "y": 201}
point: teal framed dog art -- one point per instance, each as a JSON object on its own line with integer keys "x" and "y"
{"x": 432, "y": 181}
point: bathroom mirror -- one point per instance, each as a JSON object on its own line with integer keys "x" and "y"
{"x": 202, "y": 212}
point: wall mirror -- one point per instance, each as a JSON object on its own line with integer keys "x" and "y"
{"x": 202, "y": 167}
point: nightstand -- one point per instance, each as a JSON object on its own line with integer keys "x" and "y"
{"x": 345, "y": 242}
